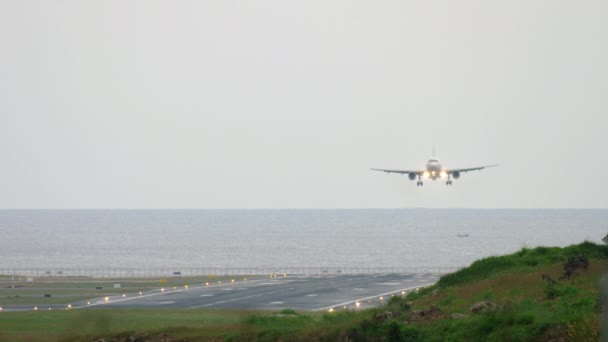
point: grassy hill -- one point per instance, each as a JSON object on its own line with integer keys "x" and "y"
{"x": 535, "y": 300}
{"x": 529, "y": 295}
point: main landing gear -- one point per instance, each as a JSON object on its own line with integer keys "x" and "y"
{"x": 419, "y": 183}
{"x": 449, "y": 181}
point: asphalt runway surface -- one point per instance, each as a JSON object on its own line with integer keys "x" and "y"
{"x": 312, "y": 293}
{"x": 299, "y": 293}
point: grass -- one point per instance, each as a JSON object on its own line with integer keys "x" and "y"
{"x": 195, "y": 325}
{"x": 70, "y": 290}
{"x": 88, "y": 324}
{"x": 522, "y": 260}
{"x": 529, "y": 308}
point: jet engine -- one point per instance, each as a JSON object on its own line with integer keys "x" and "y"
{"x": 456, "y": 174}
{"x": 412, "y": 176}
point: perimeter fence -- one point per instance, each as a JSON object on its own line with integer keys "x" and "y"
{"x": 164, "y": 272}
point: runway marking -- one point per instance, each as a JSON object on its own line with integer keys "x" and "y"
{"x": 112, "y": 301}
{"x": 206, "y": 295}
{"x": 235, "y": 299}
{"x": 370, "y": 276}
{"x": 165, "y": 303}
{"x": 370, "y": 297}
{"x": 387, "y": 284}
{"x": 312, "y": 295}
{"x": 276, "y": 303}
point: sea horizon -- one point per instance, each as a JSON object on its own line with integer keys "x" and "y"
{"x": 144, "y": 238}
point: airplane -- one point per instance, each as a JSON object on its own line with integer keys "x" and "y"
{"x": 434, "y": 170}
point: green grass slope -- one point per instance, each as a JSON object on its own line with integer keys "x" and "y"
{"x": 532, "y": 302}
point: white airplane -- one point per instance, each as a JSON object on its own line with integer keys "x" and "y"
{"x": 434, "y": 170}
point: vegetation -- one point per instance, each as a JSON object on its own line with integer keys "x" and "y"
{"x": 522, "y": 260}
{"x": 65, "y": 290}
{"x": 533, "y": 298}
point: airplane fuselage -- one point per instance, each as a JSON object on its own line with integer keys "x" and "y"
{"x": 433, "y": 169}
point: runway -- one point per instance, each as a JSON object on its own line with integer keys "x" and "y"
{"x": 308, "y": 293}
{"x": 299, "y": 293}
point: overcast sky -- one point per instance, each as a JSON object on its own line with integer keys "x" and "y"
{"x": 287, "y": 104}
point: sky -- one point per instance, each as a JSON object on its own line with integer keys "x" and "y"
{"x": 288, "y": 104}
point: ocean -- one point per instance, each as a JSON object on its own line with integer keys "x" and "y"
{"x": 286, "y": 238}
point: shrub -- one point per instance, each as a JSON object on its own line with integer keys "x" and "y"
{"x": 288, "y": 312}
{"x": 395, "y": 300}
{"x": 412, "y": 333}
{"x": 489, "y": 323}
{"x": 554, "y": 290}
{"x": 524, "y": 319}
{"x": 393, "y": 333}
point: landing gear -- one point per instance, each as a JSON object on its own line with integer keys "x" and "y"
{"x": 419, "y": 183}
{"x": 449, "y": 181}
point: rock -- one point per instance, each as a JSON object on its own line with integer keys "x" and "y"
{"x": 458, "y": 316}
{"x": 404, "y": 306}
{"x": 574, "y": 263}
{"x": 483, "y": 306}
{"x": 430, "y": 314}
{"x": 383, "y": 316}
{"x": 548, "y": 279}
{"x": 433, "y": 310}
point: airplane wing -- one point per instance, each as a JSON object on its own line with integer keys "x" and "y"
{"x": 418, "y": 172}
{"x": 470, "y": 169}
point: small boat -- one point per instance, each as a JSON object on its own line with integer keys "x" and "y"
{"x": 463, "y": 235}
